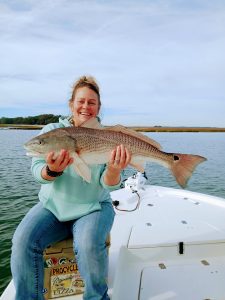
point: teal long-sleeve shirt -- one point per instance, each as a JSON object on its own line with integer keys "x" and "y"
{"x": 69, "y": 197}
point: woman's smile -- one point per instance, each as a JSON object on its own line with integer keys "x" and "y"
{"x": 85, "y": 105}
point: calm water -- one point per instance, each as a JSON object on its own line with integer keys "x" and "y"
{"x": 18, "y": 191}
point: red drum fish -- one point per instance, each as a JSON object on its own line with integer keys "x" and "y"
{"x": 93, "y": 144}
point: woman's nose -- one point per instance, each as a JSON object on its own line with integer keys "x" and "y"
{"x": 85, "y": 104}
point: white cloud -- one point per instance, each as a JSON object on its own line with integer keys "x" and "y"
{"x": 146, "y": 55}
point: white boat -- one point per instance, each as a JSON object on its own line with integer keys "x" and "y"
{"x": 166, "y": 244}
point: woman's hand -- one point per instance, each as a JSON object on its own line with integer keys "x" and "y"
{"x": 57, "y": 164}
{"x": 119, "y": 160}
{"x": 60, "y": 163}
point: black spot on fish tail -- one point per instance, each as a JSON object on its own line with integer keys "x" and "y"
{"x": 175, "y": 157}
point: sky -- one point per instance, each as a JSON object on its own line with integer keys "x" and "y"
{"x": 158, "y": 63}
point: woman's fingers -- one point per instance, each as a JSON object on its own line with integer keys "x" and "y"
{"x": 49, "y": 158}
{"x": 120, "y": 157}
{"x": 60, "y": 162}
{"x": 112, "y": 157}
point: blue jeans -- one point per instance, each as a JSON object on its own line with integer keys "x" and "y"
{"x": 40, "y": 228}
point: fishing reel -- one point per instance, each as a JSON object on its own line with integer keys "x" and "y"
{"x": 136, "y": 182}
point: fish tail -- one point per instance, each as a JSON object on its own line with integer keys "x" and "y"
{"x": 183, "y": 166}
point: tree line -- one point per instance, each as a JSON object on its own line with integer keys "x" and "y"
{"x": 31, "y": 120}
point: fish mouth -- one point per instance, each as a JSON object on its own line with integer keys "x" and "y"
{"x": 33, "y": 154}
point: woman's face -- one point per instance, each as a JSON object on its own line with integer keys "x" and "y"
{"x": 85, "y": 105}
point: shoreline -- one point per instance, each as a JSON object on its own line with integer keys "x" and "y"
{"x": 177, "y": 129}
{"x": 21, "y": 126}
{"x": 136, "y": 128}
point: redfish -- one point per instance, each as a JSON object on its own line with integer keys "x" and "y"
{"x": 93, "y": 144}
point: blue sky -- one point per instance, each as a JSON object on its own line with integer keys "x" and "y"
{"x": 157, "y": 62}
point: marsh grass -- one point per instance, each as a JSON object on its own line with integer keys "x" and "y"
{"x": 136, "y": 128}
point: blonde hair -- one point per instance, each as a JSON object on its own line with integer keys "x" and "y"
{"x": 85, "y": 81}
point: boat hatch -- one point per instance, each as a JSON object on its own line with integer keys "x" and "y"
{"x": 169, "y": 233}
{"x": 196, "y": 281}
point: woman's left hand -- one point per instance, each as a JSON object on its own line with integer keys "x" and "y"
{"x": 119, "y": 160}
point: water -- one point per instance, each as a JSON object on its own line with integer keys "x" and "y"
{"x": 18, "y": 190}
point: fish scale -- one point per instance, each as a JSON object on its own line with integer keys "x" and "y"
{"x": 92, "y": 140}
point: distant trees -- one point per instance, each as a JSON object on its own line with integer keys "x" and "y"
{"x": 31, "y": 120}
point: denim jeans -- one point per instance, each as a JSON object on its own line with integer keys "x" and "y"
{"x": 40, "y": 228}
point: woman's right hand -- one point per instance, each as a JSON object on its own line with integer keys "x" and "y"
{"x": 60, "y": 162}
{"x": 56, "y": 163}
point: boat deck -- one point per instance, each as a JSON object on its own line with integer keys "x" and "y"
{"x": 175, "y": 246}
{"x": 172, "y": 247}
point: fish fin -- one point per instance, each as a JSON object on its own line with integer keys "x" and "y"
{"x": 138, "y": 163}
{"x": 183, "y": 166}
{"x": 138, "y": 167}
{"x": 120, "y": 128}
{"x": 92, "y": 123}
{"x": 81, "y": 168}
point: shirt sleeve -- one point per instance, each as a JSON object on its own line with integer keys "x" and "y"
{"x": 111, "y": 187}
{"x": 36, "y": 168}
{"x": 38, "y": 163}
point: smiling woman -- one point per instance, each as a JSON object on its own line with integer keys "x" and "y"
{"x": 68, "y": 205}
{"x": 85, "y": 102}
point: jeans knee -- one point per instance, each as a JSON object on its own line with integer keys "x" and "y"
{"x": 90, "y": 248}
{"x": 20, "y": 244}
{"x": 25, "y": 241}
{"x": 19, "y": 238}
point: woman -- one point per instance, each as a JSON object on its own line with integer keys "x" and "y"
{"x": 69, "y": 205}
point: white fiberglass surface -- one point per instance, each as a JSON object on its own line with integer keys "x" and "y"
{"x": 195, "y": 281}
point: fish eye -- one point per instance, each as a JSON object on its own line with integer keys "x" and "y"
{"x": 40, "y": 142}
{"x": 175, "y": 157}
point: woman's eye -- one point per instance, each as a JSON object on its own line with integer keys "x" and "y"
{"x": 80, "y": 101}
